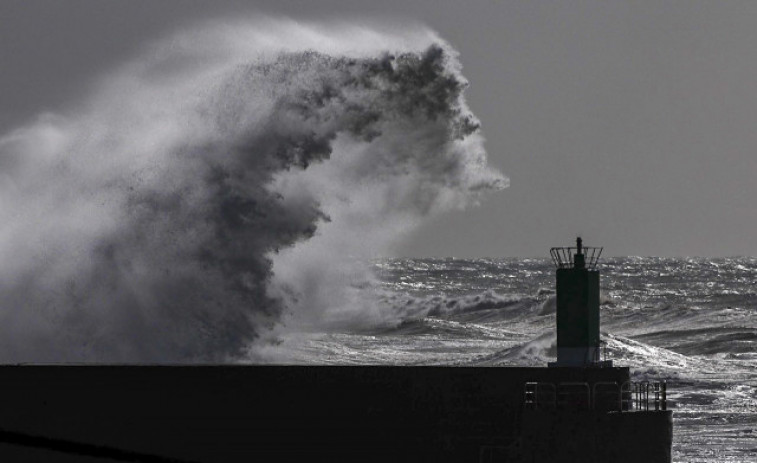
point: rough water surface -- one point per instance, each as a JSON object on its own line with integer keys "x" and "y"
{"x": 691, "y": 322}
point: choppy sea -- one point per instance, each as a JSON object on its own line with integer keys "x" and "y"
{"x": 689, "y": 321}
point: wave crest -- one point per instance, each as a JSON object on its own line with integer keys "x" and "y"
{"x": 222, "y": 180}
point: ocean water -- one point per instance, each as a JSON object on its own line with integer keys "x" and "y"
{"x": 689, "y": 321}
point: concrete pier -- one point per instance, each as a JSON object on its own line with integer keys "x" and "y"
{"x": 289, "y": 413}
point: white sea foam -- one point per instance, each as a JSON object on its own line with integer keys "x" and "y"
{"x": 229, "y": 175}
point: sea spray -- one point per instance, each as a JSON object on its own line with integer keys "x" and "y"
{"x": 230, "y": 176}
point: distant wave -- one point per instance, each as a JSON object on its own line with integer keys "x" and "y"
{"x": 535, "y": 352}
{"x": 447, "y": 328}
{"x": 647, "y": 359}
{"x": 487, "y": 306}
{"x": 705, "y": 341}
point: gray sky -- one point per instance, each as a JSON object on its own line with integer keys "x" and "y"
{"x": 631, "y": 123}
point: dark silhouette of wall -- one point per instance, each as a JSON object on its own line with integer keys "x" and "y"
{"x": 283, "y": 413}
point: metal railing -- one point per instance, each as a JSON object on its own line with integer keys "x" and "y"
{"x": 540, "y": 395}
{"x": 565, "y": 257}
{"x": 645, "y": 393}
{"x": 600, "y": 396}
{"x": 605, "y": 396}
{"x": 573, "y": 396}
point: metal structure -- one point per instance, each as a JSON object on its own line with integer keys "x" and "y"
{"x": 601, "y": 396}
{"x": 577, "y": 306}
{"x": 578, "y": 257}
{"x": 579, "y": 408}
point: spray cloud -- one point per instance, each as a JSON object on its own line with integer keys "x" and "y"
{"x": 222, "y": 181}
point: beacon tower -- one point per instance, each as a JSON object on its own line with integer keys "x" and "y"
{"x": 577, "y": 306}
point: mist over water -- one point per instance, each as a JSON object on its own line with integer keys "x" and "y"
{"x": 226, "y": 182}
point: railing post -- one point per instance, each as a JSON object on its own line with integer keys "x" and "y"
{"x": 664, "y": 387}
{"x": 529, "y": 395}
{"x": 626, "y": 396}
{"x": 657, "y": 396}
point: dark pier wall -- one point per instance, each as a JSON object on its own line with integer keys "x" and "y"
{"x": 280, "y": 413}
{"x": 581, "y": 436}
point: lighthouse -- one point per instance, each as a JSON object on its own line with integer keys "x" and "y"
{"x": 577, "y": 306}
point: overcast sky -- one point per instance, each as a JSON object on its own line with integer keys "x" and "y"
{"x": 631, "y": 123}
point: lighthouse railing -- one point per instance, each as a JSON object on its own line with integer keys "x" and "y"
{"x": 564, "y": 257}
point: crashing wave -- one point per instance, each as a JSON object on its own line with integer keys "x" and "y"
{"x": 222, "y": 181}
